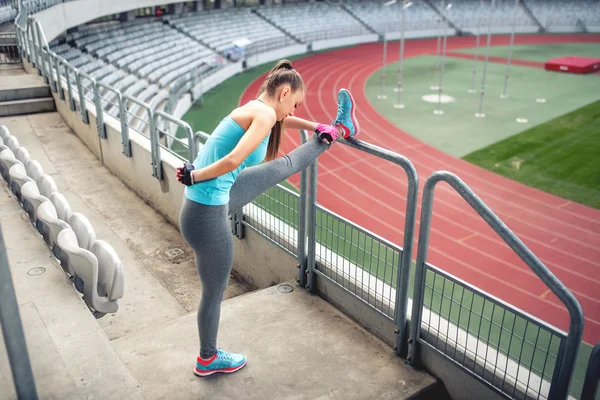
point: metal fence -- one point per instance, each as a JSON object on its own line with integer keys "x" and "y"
{"x": 9, "y": 51}
{"x": 592, "y": 375}
{"x": 530, "y": 357}
{"x": 376, "y": 256}
{"x": 539, "y": 359}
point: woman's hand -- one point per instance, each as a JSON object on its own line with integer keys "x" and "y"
{"x": 327, "y": 133}
{"x": 184, "y": 174}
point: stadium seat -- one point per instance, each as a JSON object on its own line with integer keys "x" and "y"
{"x": 51, "y": 226}
{"x": 22, "y": 155}
{"x": 34, "y": 169}
{"x": 86, "y": 267}
{"x": 4, "y": 133}
{"x": 60, "y": 203}
{"x": 12, "y": 143}
{"x": 18, "y": 177}
{"x": 46, "y": 185}
{"x": 32, "y": 200}
{"x": 83, "y": 230}
{"x": 7, "y": 160}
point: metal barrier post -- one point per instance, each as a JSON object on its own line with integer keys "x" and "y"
{"x": 99, "y": 112}
{"x": 192, "y": 151}
{"x": 401, "y": 300}
{"x": 14, "y": 338}
{"x": 44, "y": 44}
{"x": 302, "y": 211}
{"x": 61, "y": 93}
{"x": 82, "y": 102}
{"x": 592, "y": 375}
{"x": 559, "y": 387}
{"x": 124, "y": 128}
{"x": 154, "y": 147}
{"x": 119, "y": 104}
{"x": 69, "y": 85}
{"x": 31, "y": 38}
{"x": 54, "y": 61}
{"x": 311, "y": 229}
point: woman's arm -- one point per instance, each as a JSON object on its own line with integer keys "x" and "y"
{"x": 256, "y": 133}
{"x": 299, "y": 123}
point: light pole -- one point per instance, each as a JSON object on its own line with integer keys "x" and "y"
{"x": 478, "y": 22}
{"x": 405, "y": 5}
{"x": 504, "y": 95}
{"x": 437, "y": 54}
{"x": 438, "y": 110}
{"x": 480, "y": 113}
{"x": 386, "y": 4}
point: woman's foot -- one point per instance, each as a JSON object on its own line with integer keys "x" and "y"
{"x": 346, "y": 118}
{"x": 221, "y": 362}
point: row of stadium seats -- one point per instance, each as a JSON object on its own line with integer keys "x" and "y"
{"x": 92, "y": 265}
{"x": 566, "y": 13}
{"x": 418, "y": 16}
{"x": 219, "y": 28}
{"x": 323, "y": 21}
{"x": 7, "y": 13}
{"x": 467, "y": 14}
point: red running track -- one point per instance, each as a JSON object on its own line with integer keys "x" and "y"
{"x": 372, "y": 192}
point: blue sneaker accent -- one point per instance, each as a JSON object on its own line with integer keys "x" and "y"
{"x": 346, "y": 114}
{"x": 223, "y": 361}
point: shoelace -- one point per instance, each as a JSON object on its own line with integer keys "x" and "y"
{"x": 225, "y": 355}
{"x": 340, "y": 113}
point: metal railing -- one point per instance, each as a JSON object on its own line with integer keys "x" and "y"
{"x": 9, "y": 51}
{"x": 556, "y": 348}
{"x": 592, "y": 375}
{"x": 396, "y": 261}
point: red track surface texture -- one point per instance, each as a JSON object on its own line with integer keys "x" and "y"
{"x": 372, "y": 193}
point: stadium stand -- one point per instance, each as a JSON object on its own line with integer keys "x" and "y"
{"x": 319, "y": 15}
{"x": 207, "y": 27}
{"x": 566, "y": 14}
{"x": 419, "y": 16}
{"x": 467, "y": 14}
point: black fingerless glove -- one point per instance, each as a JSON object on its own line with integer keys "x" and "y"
{"x": 186, "y": 177}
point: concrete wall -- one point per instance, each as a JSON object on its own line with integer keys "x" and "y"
{"x": 339, "y": 42}
{"x": 426, "y": 33}
{"x": 57, "y": 19}
{"x": 274, "y": 55}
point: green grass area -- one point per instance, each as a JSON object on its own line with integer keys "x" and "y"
{"x": 458, "y": 132}
{"x": 541, "y": 52}
{"x": 559, "y": 157}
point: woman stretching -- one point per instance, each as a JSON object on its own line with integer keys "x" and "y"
{"x": 225, "y": 176}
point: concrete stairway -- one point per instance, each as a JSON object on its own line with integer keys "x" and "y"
{"x": 23, "y": 94}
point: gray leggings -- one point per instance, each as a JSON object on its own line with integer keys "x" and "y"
{"x": 206, "y": 229}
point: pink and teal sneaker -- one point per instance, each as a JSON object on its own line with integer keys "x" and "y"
{"x": 223, "y": 362}
{"x": 346, "y": 118}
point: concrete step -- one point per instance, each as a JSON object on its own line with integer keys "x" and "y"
{"x": 21, "y": 87}
{"x": 298, "y": 346}
{"x": 27, "y": 106}
{"x": 23, "y": 93}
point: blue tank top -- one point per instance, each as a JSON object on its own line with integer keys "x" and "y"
{"x": 222, "y": 141}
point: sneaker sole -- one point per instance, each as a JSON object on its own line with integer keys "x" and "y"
{"x": 353, "y": 115}
{"x": 223, "y": 371}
